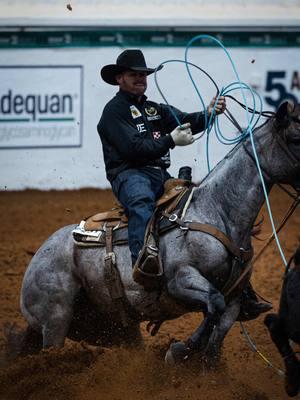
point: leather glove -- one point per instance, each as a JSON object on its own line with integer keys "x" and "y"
{"x": 182, "y": 135}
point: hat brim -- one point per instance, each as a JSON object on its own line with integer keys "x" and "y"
{"x": 110, "y": 71}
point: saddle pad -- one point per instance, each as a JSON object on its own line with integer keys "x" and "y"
{"x": 91, "y": 232}
{"x": 120, "y": 236}
{"x": 98, "y": 238}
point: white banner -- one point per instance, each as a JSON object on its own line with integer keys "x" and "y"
{"x": 59, "y": 101}
{"x": 40, "y": 106}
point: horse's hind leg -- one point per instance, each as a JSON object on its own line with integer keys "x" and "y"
{"x": 47, "y": 300}
{"x": 55, "y": 329}
{"x": 51, "y": 316}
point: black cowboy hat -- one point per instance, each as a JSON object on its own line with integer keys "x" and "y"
{"x": 129, "y": 60}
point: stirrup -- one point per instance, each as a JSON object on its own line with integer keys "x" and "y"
{"x": 148, "y": 270}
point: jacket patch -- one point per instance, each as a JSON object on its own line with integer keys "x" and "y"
{"x": 156, "y": 135}
{"x": 141, "y": 128}
{"x": 135, "y": 113}
{"x": 154, "y": 117}
{"x": 151, "y": 111}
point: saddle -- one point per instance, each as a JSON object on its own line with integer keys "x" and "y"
{"x": 92, "y": 231}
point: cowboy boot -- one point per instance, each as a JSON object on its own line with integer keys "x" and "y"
{"x": 148, "y": 270}
{"x": 251, "y": 308}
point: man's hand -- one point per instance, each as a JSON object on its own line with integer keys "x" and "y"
{"x": 220, "y": 105}
{"x": 182, "y": 135}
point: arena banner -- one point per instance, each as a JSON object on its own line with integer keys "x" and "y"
{"x": 51, "y": 101}
{"x": 40, "y": 106}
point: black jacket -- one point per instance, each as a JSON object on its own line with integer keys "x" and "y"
{"x": 136, "y": 134}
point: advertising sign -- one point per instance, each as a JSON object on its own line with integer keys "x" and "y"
{"x": 40, "y": 106}
{"x": 49, "y": 114}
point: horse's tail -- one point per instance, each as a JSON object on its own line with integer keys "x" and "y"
{"x": 21, "y": 341}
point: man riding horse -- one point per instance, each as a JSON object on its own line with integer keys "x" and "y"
{"x": 136, "y": 136}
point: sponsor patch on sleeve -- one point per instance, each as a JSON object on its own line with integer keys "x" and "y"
{"x": 135, "y": 113}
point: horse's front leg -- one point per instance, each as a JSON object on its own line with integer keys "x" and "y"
{"x": 213, "y": 349}
{"x": 191, "y": 288}
{"x": 279, "y": 336}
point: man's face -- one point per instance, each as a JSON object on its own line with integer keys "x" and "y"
{"x": 133, "y": 82}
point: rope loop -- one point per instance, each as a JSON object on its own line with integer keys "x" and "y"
{"x": 213, "y": 119}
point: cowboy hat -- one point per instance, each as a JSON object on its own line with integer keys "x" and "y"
{"x": 128, "y": 60}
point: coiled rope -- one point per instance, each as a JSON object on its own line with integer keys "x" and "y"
{"x": 238, "y": 85}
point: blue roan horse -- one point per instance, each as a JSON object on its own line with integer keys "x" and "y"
{"x": 64, "y": 294}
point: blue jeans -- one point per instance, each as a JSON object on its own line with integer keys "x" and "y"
{"x": 137, "y": 190}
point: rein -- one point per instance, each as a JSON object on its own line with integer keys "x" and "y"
{"x": 266, "y": 114}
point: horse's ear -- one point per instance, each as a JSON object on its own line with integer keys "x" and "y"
{"x": 284, "y": 110}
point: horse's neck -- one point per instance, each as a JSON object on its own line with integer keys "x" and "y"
{"x": 234, "y": 189}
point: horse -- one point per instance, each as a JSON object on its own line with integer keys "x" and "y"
{"x": 63, "y": 293}
{"x": 285, "y": 325}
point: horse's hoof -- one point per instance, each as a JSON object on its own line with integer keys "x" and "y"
{"x": 178, "y": 352}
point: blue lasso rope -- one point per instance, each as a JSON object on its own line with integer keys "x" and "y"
{"x": 163, "y": 96}
{"x": 209, "y": 123}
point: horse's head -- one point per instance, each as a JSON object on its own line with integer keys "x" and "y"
{"x": 286, "y": 131}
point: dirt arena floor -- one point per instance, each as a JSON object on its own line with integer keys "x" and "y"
{"x": 82, "y": 372}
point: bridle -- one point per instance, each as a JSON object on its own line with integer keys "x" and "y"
{"x": 292, "y": 158}
{"x": 269, "y": 115}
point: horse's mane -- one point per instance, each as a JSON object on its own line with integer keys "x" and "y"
{"x": 232, "y": 152}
